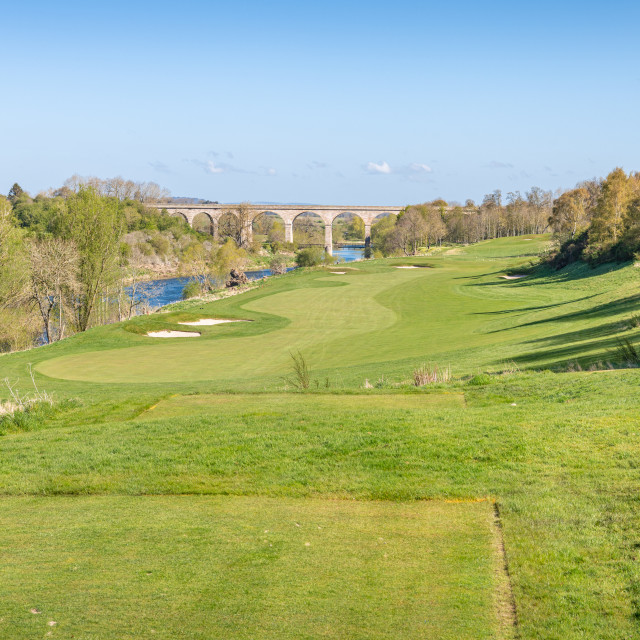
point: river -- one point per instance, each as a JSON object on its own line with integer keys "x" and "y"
{"x": 170, "y": 290}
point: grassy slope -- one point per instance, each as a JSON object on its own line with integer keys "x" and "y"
{"x": 562, "y": 462}
{"x": 377, "y": 321}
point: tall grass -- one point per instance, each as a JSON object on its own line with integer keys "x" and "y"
{"x": 627, "y": 352}
{"x": 430, "y": 374}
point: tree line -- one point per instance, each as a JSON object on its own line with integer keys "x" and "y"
{"x": 80, "y": 255}
{"x": 431, "y": 223}
{"x": 63, "y": 264}
{"x": 598, "y": 220}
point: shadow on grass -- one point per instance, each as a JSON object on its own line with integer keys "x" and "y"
{"x": 526, "y": 309}
{"x": 616, "y": 307}
{"x": 585, "y": 353}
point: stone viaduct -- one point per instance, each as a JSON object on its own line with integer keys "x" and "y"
{"x": 288, "y": 213}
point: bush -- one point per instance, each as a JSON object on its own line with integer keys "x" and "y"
{"x": 311, "y": 257}
{"x": 160, "y": 244}
{"x": 278, "y": 265}
{"x": 145, "y": 248}
{"x": 191, "y": 290}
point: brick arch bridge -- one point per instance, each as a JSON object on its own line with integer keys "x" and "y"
{"x": 288, "y": 213}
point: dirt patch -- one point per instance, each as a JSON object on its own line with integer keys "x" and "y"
{"x": 173, "y": 334}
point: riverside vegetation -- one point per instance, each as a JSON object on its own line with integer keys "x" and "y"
{"x": 78, "y": 256}
{"x": 188, "y": 490}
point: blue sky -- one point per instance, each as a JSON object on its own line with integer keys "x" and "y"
{"x": 333, "y": 102}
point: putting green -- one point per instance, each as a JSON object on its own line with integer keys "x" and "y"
{"x": 247, "y": 567}
{"x": 318, "y": 317}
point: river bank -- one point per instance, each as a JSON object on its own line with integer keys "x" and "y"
{"x": 169, "y": 290}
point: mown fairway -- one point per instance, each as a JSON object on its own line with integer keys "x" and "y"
{"x": 376, "y": 320}
{"x": 163, "y": 483}
{"x": 117, "y": 567}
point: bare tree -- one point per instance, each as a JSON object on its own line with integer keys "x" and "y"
{"x": 54, "y": 266}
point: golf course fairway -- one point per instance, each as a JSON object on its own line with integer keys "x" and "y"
{"x": 195, "y": 488}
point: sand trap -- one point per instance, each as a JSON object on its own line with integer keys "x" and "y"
{"x": 408, "y": 266}
{"x": 512, "y": 277}
{"x": 173, "y": 334}
{"x": 209, "y": 322}
{"x": 338, "y": 273}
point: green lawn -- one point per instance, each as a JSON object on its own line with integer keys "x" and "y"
{"x": 207, "y": 423}
{"x": 376, "y": 321}
{"x": 234, "y": 567}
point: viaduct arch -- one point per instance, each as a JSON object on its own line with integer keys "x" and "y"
{"x": 288, "y": 213}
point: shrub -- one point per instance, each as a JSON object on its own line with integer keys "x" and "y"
{"x": 145, "y": 248}
{"x": 278, "y": 265}
{"x": 310, "y": 257}
{"x": 301, "y": 379}
{"x": 627, "y": 352}
{"x": 160, "y": 244}
{"x": 191, "y": 290}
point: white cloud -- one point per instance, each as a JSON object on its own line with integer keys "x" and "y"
{"x": 416, "y": 167}
{"x": 212, "y": 167}
{"x": 377, "y": 167}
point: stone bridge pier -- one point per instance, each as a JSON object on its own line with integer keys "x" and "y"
{"x": 288, "y": 213}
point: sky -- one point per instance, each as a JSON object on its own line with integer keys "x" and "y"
{"x": 333, "y": 102}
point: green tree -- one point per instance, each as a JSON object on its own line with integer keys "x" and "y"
{"x": 18, "y": 328}
{"x": 381, "y": 233}
{"x": 611, "y": 210}
{"x": 229, "y": 256}
{"x": 15, "y": 192}
{"x": 355, "y": 229}
{"x": 94, "y": 224}
{"x": 570, "y": 212}
{"x": 14, "y": 271}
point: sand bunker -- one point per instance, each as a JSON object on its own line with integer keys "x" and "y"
{"x": 338, "y": 273}
{"x": 408, "y": 266}
{"x": 209, "y": 322}
{"x": 512, "y": 277}
{"x": 173, "y": 334}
